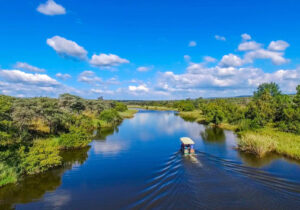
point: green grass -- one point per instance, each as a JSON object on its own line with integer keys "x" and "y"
{"x": 195, "y": 115}
{"x": 158, "y": 108}
{"x": 266, "y": 140}
{"x": 128, "y": 113}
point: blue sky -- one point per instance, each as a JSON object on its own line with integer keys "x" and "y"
{"x": 156, "y": 49}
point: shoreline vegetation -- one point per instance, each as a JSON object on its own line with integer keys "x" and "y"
{"x": 34, "y": 131}
{"x": 267, "y": 122}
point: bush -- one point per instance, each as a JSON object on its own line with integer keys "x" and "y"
{"x": 7, "y": 174}
{"x": 42, "y": 156}
{"x": 185, "y": 106}
{"x": 121, "y": 107}
{"x": 77, "y": 138}
{"x": 110, "y": 116}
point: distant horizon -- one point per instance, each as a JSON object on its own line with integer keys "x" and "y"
{"x": 148, "y": 50}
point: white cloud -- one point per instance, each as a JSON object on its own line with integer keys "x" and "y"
{"x": 251, "y": 45}
{"x": 246, "y": 37}
{"x": 144, "y": 68}
{"x": 22, "y": 84}
{"x": 17, "y": 76}
{"x": 231, "y": 60}
{"x": 224, "y": 81}
{"x": 63, "y": 76}
{"x": 142, "y": 88}
{"x": 51, "y": 8}
{"x": 192, "y": 44}
{"x": 101, "y": 91}
{"x": 187, "y": 58}
{"x": 220, "y": 38}
{"x": 276, "y": 57}
{"x": 107, "y": 60}
{"x": 209, "y": 59}
{"x": 279, "y": 45}
{"x": 88, "y": 77}
{"x": 67, "y": 48}
{"x": 28, "y": 67}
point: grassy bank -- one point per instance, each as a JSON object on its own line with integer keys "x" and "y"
{"x": 158, "y": 108}
{"x": 259, "y": 142}
{"x": 195, "y": 115}
{"x": 128, "y": 113}
{"x": 266, "y": 140}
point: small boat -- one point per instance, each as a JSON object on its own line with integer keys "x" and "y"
{"x": 187, "y": 146}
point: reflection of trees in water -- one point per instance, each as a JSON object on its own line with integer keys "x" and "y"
{"x": 75, "y": 157}
{"x": 34, "y": 187}
{"x": 213, "y": 134}
{"x": 104, "y": 132}
{"x": 254, "y": 161}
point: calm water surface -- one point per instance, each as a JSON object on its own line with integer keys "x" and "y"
{"x": 138, "y": 166}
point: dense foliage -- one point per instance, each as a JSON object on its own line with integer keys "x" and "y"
{"x": 33, "y": 130}
{"x": 268, "y": 107}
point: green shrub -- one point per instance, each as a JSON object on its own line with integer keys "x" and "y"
{"x": 121, "y": 107}
{"x": 110, "y": 116}
{"x": 42, "y": 156}
{"x": 7, "y": 174}
{"x": 77, "y": 138}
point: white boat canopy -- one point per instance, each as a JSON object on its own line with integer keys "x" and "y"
{"x": 186, "y": 140}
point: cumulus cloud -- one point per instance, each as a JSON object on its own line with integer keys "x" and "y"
{"x": 22, "y": 84}
{"x": 51, "y": 8}
{"x": 231, "y": 76}
{"x": 231, "y": 60}
{"x": 246, "y": 37}
{"x": 251, "y": 45}
{"x": 88, "y": 77}
{"x": 227, "y": 81}
{"x": 192, "y": 44}
{"x": 276, "y": 57}
{"x": 142, "y": 88}
{"x": 17, "y": 76}
{"x": 220, "y": 38}
{"x": 107, "y": 60}
{"x": 209, "y": 59}
{"x": 63, "y": 76}
{"x": 67, "y": 48}
{"x": 144, "y": 68}
{"x": 28, "y": 67}
{"x": 279, "y": 45}
{"x": 101, "y": 91}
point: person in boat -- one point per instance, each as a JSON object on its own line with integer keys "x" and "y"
{"x": 187, "y": 145}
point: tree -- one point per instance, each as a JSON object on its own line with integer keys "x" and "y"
{"x": 110, "y": 116}
{"x": 262, "y": 109}
{"x": 121, "y": 107}
{"x": 297, "y": 97}
{"x": 272, "y": 88}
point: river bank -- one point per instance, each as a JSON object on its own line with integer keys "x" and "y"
{"x": 141, "y": 157}
{"x": 45, "y": 153}
{"x": 259, "y": 142}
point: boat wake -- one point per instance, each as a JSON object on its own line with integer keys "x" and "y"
{"x": 202, "y": 179}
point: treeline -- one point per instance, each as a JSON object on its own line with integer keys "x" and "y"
{"x": 34, "y": 130}
{"x": 267, "y": 107}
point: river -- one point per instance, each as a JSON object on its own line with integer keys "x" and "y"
{"x": 138, "y": 165}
